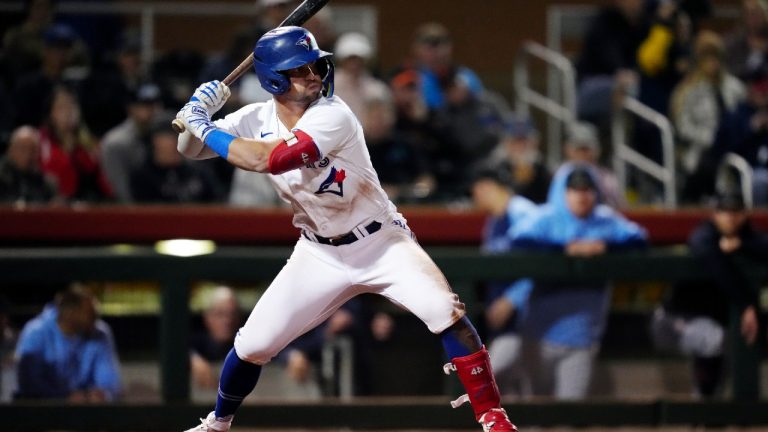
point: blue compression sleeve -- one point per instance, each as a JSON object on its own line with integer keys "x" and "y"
{"x": 453, "y": 344}
{"x": 238, "y": 379}
{"x": 219, "y": 141}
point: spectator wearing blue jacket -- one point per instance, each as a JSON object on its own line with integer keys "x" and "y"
{"x": 433, "y": 52}
{"x": 565, "y": 320}
{"x": 67, "y": 353}
{"x": 505, "y": 302}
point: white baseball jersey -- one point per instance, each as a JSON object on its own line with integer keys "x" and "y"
{"x": 336, "y": 195}
{"x": 339, "y": 191}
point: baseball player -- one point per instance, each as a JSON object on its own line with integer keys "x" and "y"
{"x": 352, "y": 240}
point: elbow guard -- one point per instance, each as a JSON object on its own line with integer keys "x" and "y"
{"x": 294, "y": 153}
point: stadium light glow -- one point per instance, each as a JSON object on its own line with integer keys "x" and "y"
{"x": 185, "y": 247}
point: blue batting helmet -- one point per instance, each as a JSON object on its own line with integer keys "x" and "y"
{"x": 287, "y": 48}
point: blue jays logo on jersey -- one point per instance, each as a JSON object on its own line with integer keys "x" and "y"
{"x": 334, "y": 183}
{"x": 306, "y": 42}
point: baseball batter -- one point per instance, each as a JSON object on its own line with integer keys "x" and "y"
{"x": 352, "y": 240}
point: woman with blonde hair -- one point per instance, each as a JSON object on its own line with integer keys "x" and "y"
{"x": 698, "y": 103}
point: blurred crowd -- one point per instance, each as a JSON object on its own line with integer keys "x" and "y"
{"x": 84, "y": 119}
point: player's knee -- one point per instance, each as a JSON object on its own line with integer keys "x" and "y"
{"x": 255, "y": 350}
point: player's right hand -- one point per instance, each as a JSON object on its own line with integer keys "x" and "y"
{"x": 213, "y": 95}
{"x": 197, "y": 119}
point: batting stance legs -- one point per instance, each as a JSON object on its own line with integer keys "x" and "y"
{"x": 308, "y": 290}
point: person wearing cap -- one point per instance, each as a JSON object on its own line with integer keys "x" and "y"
{"x": 432, "y": 50}
{"x": 124, "y": 147}
{"x": 518, "y": 154}
{"x": 33, "y": 89}
{"x": 505, "y": 301}
{"x": 693, "y": 317}
{"x": 582, "y": 146}
{"x": 353, "y": 81}
{"x": 565, "y": 320}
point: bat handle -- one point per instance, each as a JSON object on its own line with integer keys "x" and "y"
{"x": 178, "y": 126}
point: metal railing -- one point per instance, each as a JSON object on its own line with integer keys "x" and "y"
{"x": 560, "y": 102}
{"x": 337, "y": 367}
{"x": 740, "y": 165}
{"x": 625, "y": 155}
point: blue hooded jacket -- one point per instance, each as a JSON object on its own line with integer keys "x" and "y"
{"x": 569, "y": 313}
{"x": 52, "y": 365}
{"x": 497, "y": 238}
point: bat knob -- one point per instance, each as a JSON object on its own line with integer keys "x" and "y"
{"x": 178, "y": 126}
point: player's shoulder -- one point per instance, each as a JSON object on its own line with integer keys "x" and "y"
{"x": 333, "y": 105}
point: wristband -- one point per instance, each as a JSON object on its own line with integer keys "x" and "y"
{"x": 219, "y": 141}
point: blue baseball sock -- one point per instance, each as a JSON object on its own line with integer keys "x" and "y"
{"x": 238, "y": 379}
{"x": 460, "y": 339}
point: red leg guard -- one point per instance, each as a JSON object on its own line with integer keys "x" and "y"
{"x": 475, "y": 374}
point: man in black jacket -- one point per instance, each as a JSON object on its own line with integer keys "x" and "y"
{"x": 693, "y": 319}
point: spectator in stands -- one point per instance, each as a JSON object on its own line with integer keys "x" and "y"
{"x": 401, "y": 163}
{"x": 117, "y": 79}
{"x": 69, "y": 152}
{"x": 664, "y": 57}
{"x": 353, "y": 82}
{"x": 251, "y": 189}
{"x": 222, "y": 317}
{"x": 694, "y": 317}
{"x": 23, "y": 44}
{"x": 745, "y": 132}
{"x": 433, "y": 57}
{"x": 582, "y": 146}
{"x": 746, "y": 47}
{"x": 169, "y": 178}
{"x": 21, "y": 180}
{"x": 68, "y": 353}
{"x": 124, "y": 148}
{"x": 471, "y": 125}
{"x": 33, "y": 89}
{"x": 415, "y": 123}
{"x": 698, "y": 105}
{"x": 518, "y": 154}
{"x": 607, "y": 64}
{"x": 505, "y": 302}
{"x": 565, "y": 320}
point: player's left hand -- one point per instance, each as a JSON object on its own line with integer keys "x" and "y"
{"x": 213, "y": 95}
{"x": 197, "y": 119}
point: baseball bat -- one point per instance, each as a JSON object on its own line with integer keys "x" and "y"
{"x": 299, "y": 16}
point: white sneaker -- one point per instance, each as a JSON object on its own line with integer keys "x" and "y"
{"x": 212, "y": 424}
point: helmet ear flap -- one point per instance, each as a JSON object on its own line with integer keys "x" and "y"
{"x": 273, "y": 82}
{"x": 328, "y": 78}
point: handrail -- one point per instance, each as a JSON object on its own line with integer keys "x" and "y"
{"x": 337, "y": 367}
{"x": 625, "y": 155}
{"x": 741, "y": 165}
{"x": 559, "y": 112}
